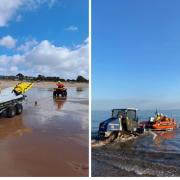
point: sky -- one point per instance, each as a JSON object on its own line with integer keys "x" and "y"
{"x": 136, "y": 54}
{"x": 48, "y": 37}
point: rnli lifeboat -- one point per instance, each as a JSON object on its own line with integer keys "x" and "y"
{"x": 161, "y": 122}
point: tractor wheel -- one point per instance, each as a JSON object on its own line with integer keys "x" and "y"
{"x": 19, "y": 108}
{"x": 11, "y": 111}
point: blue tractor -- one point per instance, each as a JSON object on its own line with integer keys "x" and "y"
{"x": 120, "y": 120}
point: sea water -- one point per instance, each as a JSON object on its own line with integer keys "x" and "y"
{"x": 155, "y": 154}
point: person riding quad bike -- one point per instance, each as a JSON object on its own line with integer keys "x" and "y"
{"x": 60, "y": 90}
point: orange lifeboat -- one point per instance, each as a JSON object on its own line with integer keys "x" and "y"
{"x": 163, "y": 123}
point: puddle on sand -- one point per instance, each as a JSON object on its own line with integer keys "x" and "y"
{"x": 50, "y": 138}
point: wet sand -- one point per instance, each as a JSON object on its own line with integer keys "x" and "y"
{"x": 48, "y": 139}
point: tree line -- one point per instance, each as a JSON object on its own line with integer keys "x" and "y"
{"x": 21, "y": 77}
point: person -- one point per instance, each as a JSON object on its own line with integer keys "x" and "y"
{"x": 60, "y": 84}
{"x": 158, "y": 117}
{"x": 60, "y": 90}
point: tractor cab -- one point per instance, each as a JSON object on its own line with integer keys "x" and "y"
{"x": 120, "y": 120}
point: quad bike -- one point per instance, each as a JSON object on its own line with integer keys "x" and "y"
{"x": 60, "y": 91}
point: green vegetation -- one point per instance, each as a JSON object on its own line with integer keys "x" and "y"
{"x": 81, "y": 79}
{"x": 21, "y": 77}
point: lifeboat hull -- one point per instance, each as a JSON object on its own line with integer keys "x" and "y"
{"x": 164, "y": 125}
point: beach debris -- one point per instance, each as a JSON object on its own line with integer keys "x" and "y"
{"x": 35, "y": 103}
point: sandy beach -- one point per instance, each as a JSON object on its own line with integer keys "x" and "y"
{"x": 47, "y": 139}
{"x": 42, "y": 84}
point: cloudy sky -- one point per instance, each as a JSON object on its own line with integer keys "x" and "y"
{"x": 48, "y": 37}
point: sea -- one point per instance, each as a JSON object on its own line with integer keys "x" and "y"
{"x": 154, "y": 154}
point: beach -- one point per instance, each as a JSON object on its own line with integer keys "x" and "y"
{"x": 151, "y": 154}
{"x": 49, "y": 138}
{"x": 42, "y": 84}
{"x": 135, "y": 158}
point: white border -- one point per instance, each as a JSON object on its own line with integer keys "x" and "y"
{"x": 90, "y": 83}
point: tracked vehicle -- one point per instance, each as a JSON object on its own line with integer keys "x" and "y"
{"x": 121, "y": 120}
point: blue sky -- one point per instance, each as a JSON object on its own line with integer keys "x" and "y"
{"x": 48, "y": 31}
{"x": 136, "y": 54}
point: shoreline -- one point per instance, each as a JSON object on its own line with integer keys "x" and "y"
{"x": 42, "y": 84}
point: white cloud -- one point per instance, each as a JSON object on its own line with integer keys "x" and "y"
{"x": 13, "y": 69}
{"x": 8, "y": 42}
{"x": 9, "y": 8}
{"x": 50, "y": 60}
{"x": 71, "y": 28}
{"x": 34, "y": 4}
{"x": 28, "y": 45}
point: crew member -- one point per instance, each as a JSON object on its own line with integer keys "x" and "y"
{"x": 60, "y": 84}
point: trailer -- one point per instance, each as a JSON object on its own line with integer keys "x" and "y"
{"x": 12, "y": 107}
{"x": 11, "y": 99}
